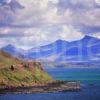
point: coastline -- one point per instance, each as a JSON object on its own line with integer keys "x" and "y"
{"x": 51, "y": 87}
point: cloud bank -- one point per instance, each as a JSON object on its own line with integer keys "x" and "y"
{"x": 29, "y": 23}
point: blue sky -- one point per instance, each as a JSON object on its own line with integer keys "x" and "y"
{"x": 29, "y": 23}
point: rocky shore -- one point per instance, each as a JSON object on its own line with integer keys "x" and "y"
{"x": 17, "y": 76}
{"x": 56, "y": 86}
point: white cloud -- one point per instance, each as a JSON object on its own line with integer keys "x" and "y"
{"x": 97, "y": 2}
{"x": 49, "y": 18}
{"x": 97, "y": 35}
{"x": 2, "y": 42}
{"x": 33, "y": 12}
{"x": 69, "y": 33}
{"x": 54, "y": 1}
{"x": 5, "y": 30}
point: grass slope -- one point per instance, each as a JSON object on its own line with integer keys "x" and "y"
{"x": 23, "y": 74}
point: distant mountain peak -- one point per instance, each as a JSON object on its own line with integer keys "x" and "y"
{"x": 9, "y": 45}
{"x": 61, "y": 41}
{"x": 9, "y": 48}
{"x": 89, "y": 37}
{"x": 86, "y": 37}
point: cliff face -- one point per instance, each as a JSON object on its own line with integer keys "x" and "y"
{"x": 14, "y": 72}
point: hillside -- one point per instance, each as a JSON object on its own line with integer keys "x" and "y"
{"x": 14, "y": 72}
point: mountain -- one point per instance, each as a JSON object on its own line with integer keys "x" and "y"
{"x": 47, "y": 50}
{"x": 16, "y": 52}
{"x": 86, "y": 49}
{"x": 15, "y": 72}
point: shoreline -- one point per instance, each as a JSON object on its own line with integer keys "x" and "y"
{"x": 53, "y": 87}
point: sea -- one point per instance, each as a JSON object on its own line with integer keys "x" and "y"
{"x": 89, "y": 79}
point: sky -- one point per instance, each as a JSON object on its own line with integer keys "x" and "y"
{"x": 31, "y": 23}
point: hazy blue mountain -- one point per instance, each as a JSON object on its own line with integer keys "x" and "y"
{"x": 86, "y": 49}
{"x": 10, "y": 49}
{"x": 16, "y": 52}
{"x": 48, "y": 50}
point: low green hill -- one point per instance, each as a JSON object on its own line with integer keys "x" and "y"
{"x": 14, "y": 72}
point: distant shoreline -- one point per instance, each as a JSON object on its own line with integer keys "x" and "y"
{"x": 56, "y": 86}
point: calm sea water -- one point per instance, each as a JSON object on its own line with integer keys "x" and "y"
{"x": 89, "y": 78}
{"x": 83, "y": 75}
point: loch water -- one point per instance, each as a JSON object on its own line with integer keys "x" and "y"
{"x": 88, "y": 77}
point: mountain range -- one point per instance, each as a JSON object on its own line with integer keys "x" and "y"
{"x": 86, "y": 49}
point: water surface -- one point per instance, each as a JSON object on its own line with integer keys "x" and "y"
{"x": 89, "y": 78}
